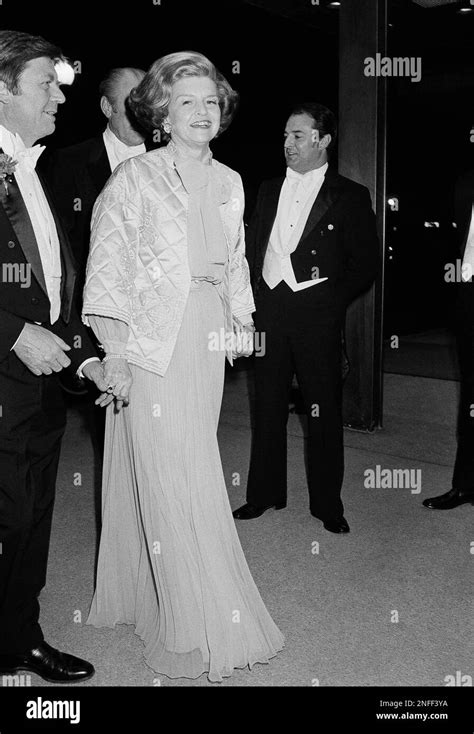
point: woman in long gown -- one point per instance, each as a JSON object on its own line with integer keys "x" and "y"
{"x": 167, "y": 284}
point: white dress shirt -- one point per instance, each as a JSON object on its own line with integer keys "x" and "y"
{"x": 117, "y": 152}
{"x": 468, "y": 259}
{"x": 297, "y": 196}
{"x": 39, "y": 212}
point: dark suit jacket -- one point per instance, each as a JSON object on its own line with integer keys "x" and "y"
{"x": 339, "y": 239}
{"x": 20, "y": 304}
{"x": 463, "y": 201}
{"x": 77, "y": 175}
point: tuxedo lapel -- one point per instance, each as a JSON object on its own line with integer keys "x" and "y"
{"x": 326, "y": 197}
{"x": 20, "y": 221}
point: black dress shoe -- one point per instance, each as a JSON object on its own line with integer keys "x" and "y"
{"x": 249, "y": 512}
{"x": 50, "y": 664}
{"x": 335, "y": 524}
{"x": 449, "y": 500}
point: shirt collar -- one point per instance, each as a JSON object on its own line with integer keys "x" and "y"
{"x": 118, "y": 144}
{"x": 310, "y": 177}
{"x": 12, "y": 143}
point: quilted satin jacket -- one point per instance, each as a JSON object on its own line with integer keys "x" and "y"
{"x": 138, "y": 268}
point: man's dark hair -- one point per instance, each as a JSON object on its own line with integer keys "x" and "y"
{"x": 16, "y": 50}
{"x": 324, "y": 121}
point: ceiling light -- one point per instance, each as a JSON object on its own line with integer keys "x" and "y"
{"x": 65, "y": 72}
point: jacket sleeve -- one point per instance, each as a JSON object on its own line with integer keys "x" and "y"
{"x": 241, "y": 292}
{"x": 11, "y": 327}
{"x": 114, "y": 242}
{"x": 74, "y": 334}
{"x": 361, "y": 247}
{"x": 78, "y": 337}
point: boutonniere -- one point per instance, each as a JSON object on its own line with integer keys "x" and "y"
{"x": 7, "y": 169}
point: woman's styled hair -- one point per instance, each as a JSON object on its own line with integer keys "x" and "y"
{"x": 16, "y": 50}
{"x": 150, "y": 99}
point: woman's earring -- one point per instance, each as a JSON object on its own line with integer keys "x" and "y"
{"x": 167, "y": 127}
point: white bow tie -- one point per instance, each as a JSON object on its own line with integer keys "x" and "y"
{"x": 306, "y": 177}
{"x": 29, "y": 156}
{"x": 291, "y": 174}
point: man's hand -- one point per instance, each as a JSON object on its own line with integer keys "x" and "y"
{"x": 41, "y": 351}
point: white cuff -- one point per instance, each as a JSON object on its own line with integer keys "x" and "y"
{"x": 16, "y": 341}
{"x": 79, "y": 372}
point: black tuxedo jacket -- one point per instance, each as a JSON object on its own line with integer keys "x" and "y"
{"x": 463, "y": 201}
{"x": 339, "y": 239}
{"x": 77, "y": 175}
{"x": 22, "y": 302}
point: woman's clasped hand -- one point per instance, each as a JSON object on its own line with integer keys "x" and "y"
{"x": 119, "y": 379}
{"x": 242, "y": 339}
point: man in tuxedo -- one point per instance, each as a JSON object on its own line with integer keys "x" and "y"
{"x": 40, "y": 334}
{"x": 462, "y": 491}
{"x": 77, "y": 174}
{"x": 312, "y": 247}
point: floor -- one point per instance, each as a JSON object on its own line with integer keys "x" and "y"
{"x": 389, "y": 604}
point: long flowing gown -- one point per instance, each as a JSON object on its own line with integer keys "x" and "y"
{"x": 170, "y": 560}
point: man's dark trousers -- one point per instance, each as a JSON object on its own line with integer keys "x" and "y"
{"x": 303, "y": 336}
{"x": 32, "y": 423}
{"x": 463, "y": 476}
